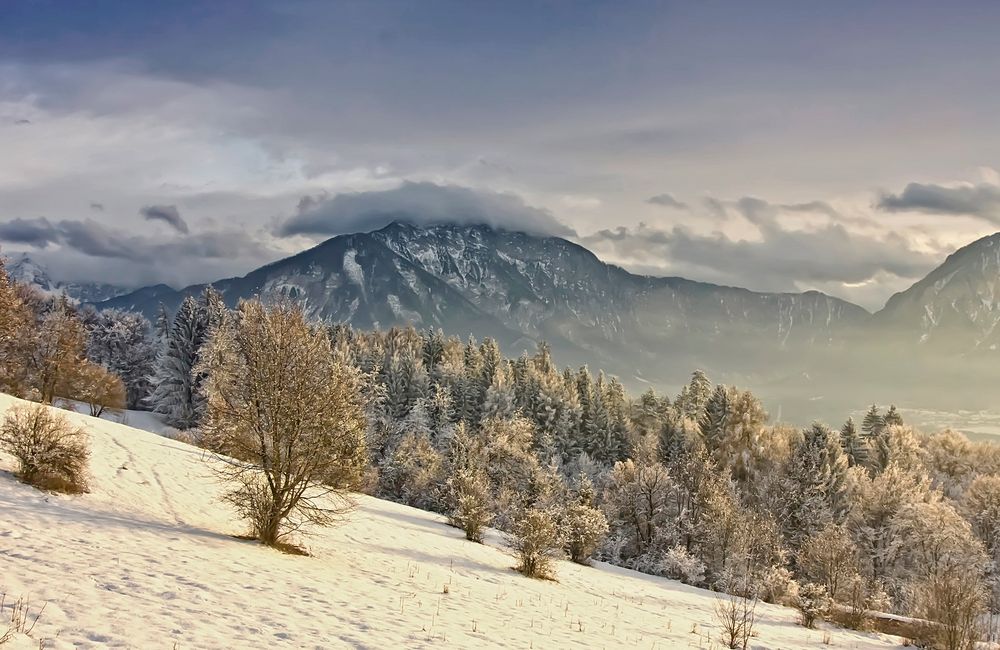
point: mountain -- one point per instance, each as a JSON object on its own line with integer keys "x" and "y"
{"x": 808, "y": 354}
{"x": 956, "y": 308}
{"x": 24, "y": 269}
{"x": 521, "y": 288}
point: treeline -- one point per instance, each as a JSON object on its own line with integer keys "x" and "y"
{"x": 698, "y": 487}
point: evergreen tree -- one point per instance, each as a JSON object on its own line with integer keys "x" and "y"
{"x": 596, "y": 425}
{"x": 714, "y": 421}
{"x": 854, "y": 447}
{"x": 163, "y": 321}
{"x": 892, "y": 417}
{"x": 499, "y": 400}
{"x": 619, "y": 430}
{"x": 873, "y": 423}
{"x": 694, "y": 397}
{"x": 816, "y": 484}
{"x": 174, "y": 392}
{"x": 433, "y": 350}
{"x": 121, "y": 342}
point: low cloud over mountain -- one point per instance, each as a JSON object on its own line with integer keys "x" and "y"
{"x": 420, "y": 204}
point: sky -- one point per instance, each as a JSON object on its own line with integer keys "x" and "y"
{"x": 781, "y": 146}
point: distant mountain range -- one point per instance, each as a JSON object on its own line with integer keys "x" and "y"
{"x": 22, "y": 268}
{"x": 518, "y": 288}
{"x": 521, "y": 288}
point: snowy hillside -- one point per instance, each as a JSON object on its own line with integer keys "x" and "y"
{"x": 147, "y": 560}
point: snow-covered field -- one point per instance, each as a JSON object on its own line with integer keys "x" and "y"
{"x": 148, "y": 559}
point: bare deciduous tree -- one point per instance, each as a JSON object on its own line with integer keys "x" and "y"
{"x": 289, "y": 413}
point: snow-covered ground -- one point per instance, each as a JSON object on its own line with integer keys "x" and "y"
{"x": 148, "y": 559}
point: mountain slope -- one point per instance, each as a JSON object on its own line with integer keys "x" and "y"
{"x": 147, "y": 560}
{"x": 521, "y": 288}
{"x": 956, "y": 307}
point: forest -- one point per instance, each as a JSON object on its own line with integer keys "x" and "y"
{"x": 841, "y": 522}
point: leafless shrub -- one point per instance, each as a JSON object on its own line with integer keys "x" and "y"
{"x": 736, "y": 616}
{"x": 954, "y": 601}
{"x": 51, "y": 454}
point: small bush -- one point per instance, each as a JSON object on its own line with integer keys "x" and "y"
{"x": 470, "y": 504}
{"x": 679, "y": 564}
{"x": 536, "y": 540}
{"x": 51, "y": 454}
{"x": 736, "y": 616}
{"x": 779, "y": 587}
{"x": 585, "y": 528}
{"x": 858, "y": 600}
{"x": 813, "y": 605}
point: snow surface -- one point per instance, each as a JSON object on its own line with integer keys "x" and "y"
{"x": 148, "y": 559}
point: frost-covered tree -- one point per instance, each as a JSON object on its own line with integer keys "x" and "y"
{"x": 122, "y": 343}
{"x": 638, "y": 502}
{"x": 583, "y": 524}
{"x": 829, "y": 558}
{"x": 174, "y": 392}
{"x": 17, "y": 334}
{"x": 816, "y": 485}
{"x": 469, "y": 500}
{"x": 536, "y": 540}
{"x": 280, "y": 403}
{"x": 58, "y": 349}
{"x": 877, "y": 501}
{"x": 693, "y": 399}
{"x": 853, "y": 444}
{"x": 982, "y": 507}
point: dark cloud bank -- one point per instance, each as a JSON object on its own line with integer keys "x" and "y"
{"x": 981, "y": 200}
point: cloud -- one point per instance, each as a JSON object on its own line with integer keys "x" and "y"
{"x": 981, "y": 200}
{"x": 88, "y": 251}
{"x": 39, "y": 232}
{"x": 91, "y": 238}
{"x": 96, "y": 240}
{"x": 779, "y": 258}
{"x": 667, "y": 200}
{"x": 420, "y": 203}
{"x": 167, "y": 214}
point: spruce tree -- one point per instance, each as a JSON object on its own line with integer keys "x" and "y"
{"x": 892, "y": 417}
{"x": 174, "y": 393}
{"x": 714, "y": 421}
{"x": 816, "y": 484}
{"x": 853, "y": 444}
{"x": 696, "y": 397}
{"x": 872, "y": 423}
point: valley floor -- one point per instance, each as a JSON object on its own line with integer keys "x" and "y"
{"x": 148, "y": 559}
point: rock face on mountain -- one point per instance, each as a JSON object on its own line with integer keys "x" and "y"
{"x": 956, "y": 308}
{"x": 520, "y": 288}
